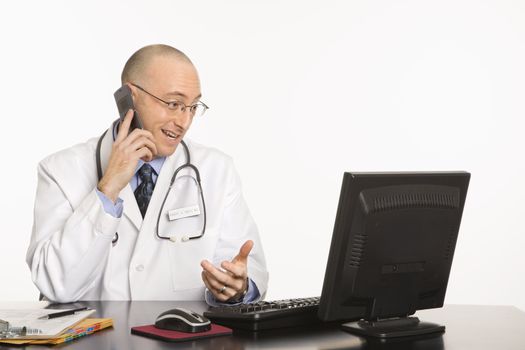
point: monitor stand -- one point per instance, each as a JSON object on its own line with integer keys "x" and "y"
{"x": 392, "y": 327}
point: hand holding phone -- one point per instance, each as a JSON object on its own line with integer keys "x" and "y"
{"x": 131, "y": 144}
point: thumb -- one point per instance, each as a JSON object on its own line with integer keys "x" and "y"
{"x": 244, "y": 252}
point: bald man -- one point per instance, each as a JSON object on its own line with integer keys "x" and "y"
{"x": 145, "y": 213}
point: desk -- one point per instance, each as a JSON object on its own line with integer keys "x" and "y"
{"x": 467, "y": 327}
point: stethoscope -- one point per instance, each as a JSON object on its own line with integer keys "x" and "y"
{"x": 172, "y": 181}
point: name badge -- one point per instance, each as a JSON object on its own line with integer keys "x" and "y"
{"x": 185, "y": 212}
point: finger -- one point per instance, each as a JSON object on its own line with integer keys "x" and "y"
{"x": 221, "y": 277}
{"x": 207, "y": 284}
{"x": 145, "y": 154}
{"x": 237, "y": 270}
{"x": 236, "y": 285}
{"x": 124, "y": 126}
{"x": 144, "y": 142}
{"x": 214, "y": 284}
{"x": 216, "y": 294}
{"x": 244, "y": 252}
{"x": 136, "y": 134}
{"x": 218, "y": 289}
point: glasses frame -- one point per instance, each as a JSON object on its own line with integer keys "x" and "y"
{"x": 169, "y": 104}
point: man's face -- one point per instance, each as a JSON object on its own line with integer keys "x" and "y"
{"x": 170, "y": 79}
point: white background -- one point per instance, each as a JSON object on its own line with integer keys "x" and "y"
{"x": 299, "y": 93}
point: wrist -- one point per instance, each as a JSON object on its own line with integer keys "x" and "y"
{"x": 109, "y": 192}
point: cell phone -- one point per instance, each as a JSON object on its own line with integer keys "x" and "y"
{"x": 124, "y": 104}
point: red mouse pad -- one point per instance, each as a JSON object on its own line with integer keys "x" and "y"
{"x": 151, "y": 331}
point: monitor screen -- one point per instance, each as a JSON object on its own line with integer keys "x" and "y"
{"x": 392, "y": 248}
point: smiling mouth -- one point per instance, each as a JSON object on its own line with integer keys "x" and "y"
{"x": 170, "y": 134}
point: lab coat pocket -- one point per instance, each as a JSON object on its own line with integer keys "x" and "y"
{"x": 186, "y": 257}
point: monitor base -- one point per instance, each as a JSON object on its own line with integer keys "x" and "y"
{"x": 392, "y": 328}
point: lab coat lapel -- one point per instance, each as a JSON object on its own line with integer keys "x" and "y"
{"x": 131, "y": 209}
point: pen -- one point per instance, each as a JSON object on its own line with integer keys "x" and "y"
{"x": 62, "y": 313}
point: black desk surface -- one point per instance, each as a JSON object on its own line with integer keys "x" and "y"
{"x": 468, "y": 327}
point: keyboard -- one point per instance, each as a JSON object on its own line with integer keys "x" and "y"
{"x": 267, "y": 314}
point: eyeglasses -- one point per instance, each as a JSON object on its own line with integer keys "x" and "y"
{"x": 196, "y": 110}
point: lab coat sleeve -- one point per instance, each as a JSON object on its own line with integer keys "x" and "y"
{"x": 237, "y": 226}
{"x": 69, "y": 246}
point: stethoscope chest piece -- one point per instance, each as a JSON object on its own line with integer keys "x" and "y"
{"x": 185, "y": 238}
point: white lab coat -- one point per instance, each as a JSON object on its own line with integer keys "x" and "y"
{"x": 71, "y": 256}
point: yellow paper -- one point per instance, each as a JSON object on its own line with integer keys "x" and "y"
{"x": 85, "y": 327}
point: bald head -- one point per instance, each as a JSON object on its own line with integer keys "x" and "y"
{"x": 138, "y": 63}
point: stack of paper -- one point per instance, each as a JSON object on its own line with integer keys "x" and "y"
{"x": 53, "y": 330}
{"x": 86, "y": 327}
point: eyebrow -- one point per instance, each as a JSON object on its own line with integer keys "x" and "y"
{"x": 177, "y": 93}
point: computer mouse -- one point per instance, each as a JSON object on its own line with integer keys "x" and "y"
{"x": 182, "y": 320}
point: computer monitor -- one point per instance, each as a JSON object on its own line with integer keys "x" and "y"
{"x": 391, "y": 252}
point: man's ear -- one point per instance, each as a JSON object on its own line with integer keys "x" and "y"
{"x": 133, "y": 91}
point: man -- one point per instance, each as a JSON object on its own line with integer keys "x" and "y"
{"x": 107, "y": 238}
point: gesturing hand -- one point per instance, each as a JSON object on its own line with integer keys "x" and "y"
{"x": 127, "y": 149}
{"x": 231, "y": 283}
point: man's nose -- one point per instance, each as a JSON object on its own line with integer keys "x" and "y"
{"x": 183, "y": 117}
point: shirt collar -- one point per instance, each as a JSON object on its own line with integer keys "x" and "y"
{"x": 156, "y": 164}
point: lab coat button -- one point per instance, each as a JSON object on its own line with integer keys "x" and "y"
{"x": 139, "y": 268}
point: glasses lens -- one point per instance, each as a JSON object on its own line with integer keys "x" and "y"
{"x": 174, "y": 105}
{"x": 198, "y": 109}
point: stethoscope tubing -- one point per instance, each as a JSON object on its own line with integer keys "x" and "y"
{"x": 187, "y": 164}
